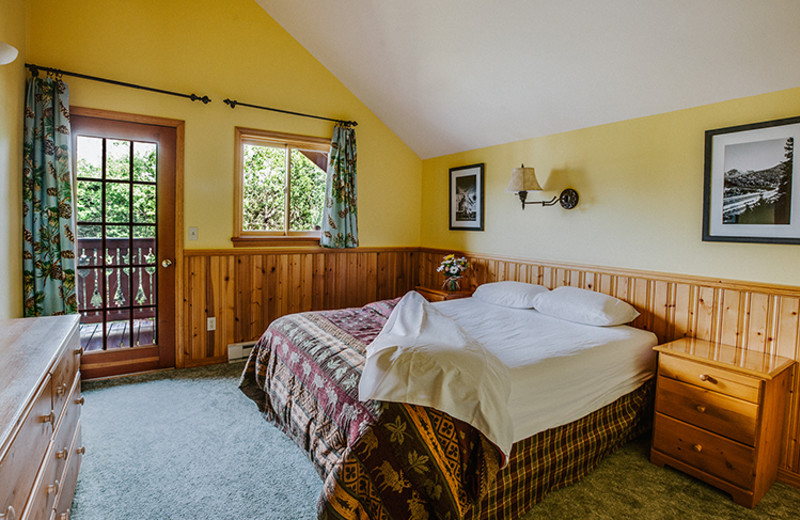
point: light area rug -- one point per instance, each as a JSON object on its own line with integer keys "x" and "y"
{"x": 187, "y": 444}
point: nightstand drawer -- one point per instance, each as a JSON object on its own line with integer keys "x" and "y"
{"x": 711, "y": 378}
{"x": 705, "y": 451}
{"x": 727, "y": 416}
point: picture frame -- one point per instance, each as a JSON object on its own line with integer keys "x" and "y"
{"x": 466, "y": 198}
{"x": 751, "y": 189}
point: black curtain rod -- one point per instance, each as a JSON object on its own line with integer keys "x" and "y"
{"x": 58, "y": 72}
{"x": 233, "y": 103}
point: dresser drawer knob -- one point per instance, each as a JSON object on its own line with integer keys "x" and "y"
{"x": 52, "y": 489}
{"x": 51, "y": 417}
{"x": 77, "y": 352}
{"x": 708, "y": 379}
{"x": 697, "y": 447}
{"x": 79, "y": 401}
{"x": 10, "y": 514}
{"x": 81, "y": 450}
{"x": 61, "y": 389}
{"x": 62, "y": 454}
{"x": 64, "y": 515}
{"x": 700, "y": 408}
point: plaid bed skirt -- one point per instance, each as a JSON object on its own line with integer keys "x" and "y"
{"x": 561, "y": 456}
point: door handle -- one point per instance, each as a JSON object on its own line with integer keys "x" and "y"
{"x": 166, "y": 262}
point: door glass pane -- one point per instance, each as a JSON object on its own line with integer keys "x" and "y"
{"x": 117, "y": 245}
{"x": 91, "y": 331}
{"x": 89, "y": 151}
{"x": 144, "y": 323}
{"x": 144, "y": 161}
{"x": 118, "y": 328}
{"x": 118, "y": 159}
{"x": 90, "y": 201}
{"x": 263, "y": 188}
{"x": 118, "y": 287}
{"x": 118, "y": 202}
{"x": 307, "y": 189}
{"x": 90, "y": 288}
{"x": 144, "y": 286}
{"x": 144, "y": 203}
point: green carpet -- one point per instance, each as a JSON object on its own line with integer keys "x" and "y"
{"x": 187, "y": 444}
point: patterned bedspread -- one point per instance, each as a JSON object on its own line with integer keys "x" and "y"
{"x": 378, "y": 460}
{"x": 396, "y": 461}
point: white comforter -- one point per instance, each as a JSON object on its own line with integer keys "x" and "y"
{"x": 511, "y": 373}
{"x": 425, "y": 358}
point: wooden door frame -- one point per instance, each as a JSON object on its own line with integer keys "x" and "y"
{"x": 178, "y": 263}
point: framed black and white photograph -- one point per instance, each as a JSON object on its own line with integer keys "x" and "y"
{"x": 751, "y": 191}
{"x": 466, "y": 197}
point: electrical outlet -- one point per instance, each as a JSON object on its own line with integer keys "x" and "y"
{"x": 192, "y": 233}
{"x": 211, "y": 323}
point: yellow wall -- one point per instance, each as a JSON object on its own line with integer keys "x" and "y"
{"x": 641, "y": 188}
{"x": 230, "y": 49}
{"x": 12, "y": 98}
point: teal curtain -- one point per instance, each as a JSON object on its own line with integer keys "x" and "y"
{"x": 340, "y": 216}
{"x": 48, "y": 241}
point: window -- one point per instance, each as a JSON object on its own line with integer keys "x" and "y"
{"x": 279, "y": 186}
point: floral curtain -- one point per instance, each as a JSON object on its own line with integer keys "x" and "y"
{"x": 48, "y": 241}
{"x": 340, "y": 216}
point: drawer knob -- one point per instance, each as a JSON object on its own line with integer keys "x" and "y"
{"x": 708, "y": 379}
{"x": 77, "y": 352}
{"x": 52, "y": 489}
{"x": 60, "y": 389}
{"x": 81, "y": 450}
{"x": 700, "y": 408}
{"x": 79, "y": 401}
{"x": 9, "y": 514}
{"x": 697, "y": 447}
{"x": 64, "y": 515}
{"x": 51, "y": 417}
{"x": 62, "y": 454}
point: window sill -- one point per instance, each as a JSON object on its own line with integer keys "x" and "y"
{"x": 277, "y": 241}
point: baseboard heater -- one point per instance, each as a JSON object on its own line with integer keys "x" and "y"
{"x": 239, "y": 351}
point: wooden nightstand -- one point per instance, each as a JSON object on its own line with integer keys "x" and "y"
{"x": 719, "y": 415}
{"x": 440, "y": 295}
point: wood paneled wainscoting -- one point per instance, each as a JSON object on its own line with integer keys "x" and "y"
{"x": 246, "y": 289}
{"x": 758, "y": 317}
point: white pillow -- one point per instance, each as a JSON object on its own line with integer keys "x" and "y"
{"x": 519, "y": 295}
{"x": 582, "y": 306}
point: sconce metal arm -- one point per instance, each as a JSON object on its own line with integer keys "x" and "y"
{"x": 568, "y": 199}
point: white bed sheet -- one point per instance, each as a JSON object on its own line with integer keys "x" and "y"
{"x": 560, "y": 370}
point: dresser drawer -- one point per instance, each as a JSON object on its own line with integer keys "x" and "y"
{"x": 65, "y": 495}
{"x": 21, "y": 461}
{"x": 711, "y": 378}
{"x": 727, "y": 416}
{"x": 66, "y": 429}
{"x": 64, "y": 372}
{"x": 713, "y": 454}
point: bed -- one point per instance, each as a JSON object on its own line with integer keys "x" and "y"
{"x": 386, "y": 459}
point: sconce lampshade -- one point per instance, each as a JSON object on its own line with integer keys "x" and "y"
{"x": 8, "y": 53}
{"x": 523, "y": 179}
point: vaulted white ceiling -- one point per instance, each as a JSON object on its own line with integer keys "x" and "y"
{"x": 454, "y": 75}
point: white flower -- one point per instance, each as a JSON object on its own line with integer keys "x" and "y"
{"x": 454, "y": 269}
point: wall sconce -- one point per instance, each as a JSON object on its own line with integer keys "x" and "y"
{"x": 8, "y": 53}
{"x": 524, "y": 180}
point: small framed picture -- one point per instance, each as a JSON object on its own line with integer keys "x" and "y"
{"x": 466, "y": 197}
{"x": 752, "y": 190}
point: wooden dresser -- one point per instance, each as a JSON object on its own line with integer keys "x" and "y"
{"x": 440, "y": 295}
{"x": 719, "y": 415}
{"x": 40, "y": 400}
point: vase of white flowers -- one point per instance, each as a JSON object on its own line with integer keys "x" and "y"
{"x": 453, "y": 269}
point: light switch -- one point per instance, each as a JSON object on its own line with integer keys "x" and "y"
{"x": 193, "y": 233}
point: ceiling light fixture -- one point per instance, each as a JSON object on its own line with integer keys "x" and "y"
{"x": 524, "y": 180}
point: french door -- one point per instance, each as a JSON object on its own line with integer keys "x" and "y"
{"x": 125, "y": 209}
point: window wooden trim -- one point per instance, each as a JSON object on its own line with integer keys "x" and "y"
{"x": 254, "y": 136}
